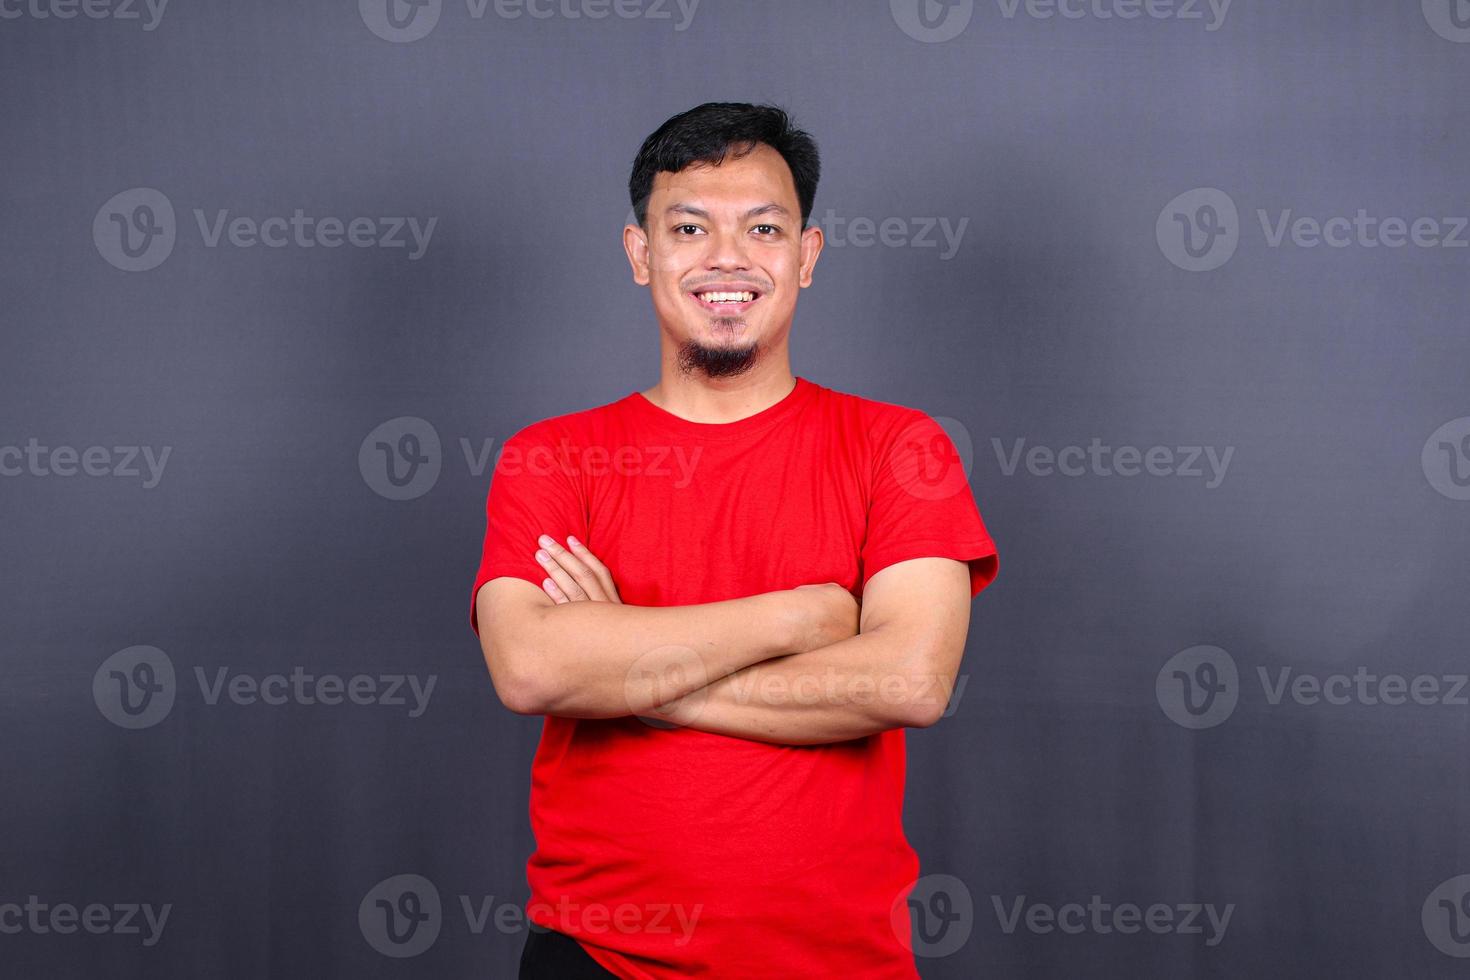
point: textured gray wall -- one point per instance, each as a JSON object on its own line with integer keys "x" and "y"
{"x": 1123, "y": 732}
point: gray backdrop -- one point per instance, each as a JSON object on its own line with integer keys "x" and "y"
{"x": 1186, "y": 283}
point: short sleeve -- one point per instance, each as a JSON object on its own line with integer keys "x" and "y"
{"x": 533, "y": 492}
{"x": 921, "y": 505}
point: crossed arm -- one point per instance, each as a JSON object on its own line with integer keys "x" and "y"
{"x": 793, "y": 667}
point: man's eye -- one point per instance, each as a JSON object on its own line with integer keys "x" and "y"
{"x": 679, "y": 229}
{"x": 768, "y": 229}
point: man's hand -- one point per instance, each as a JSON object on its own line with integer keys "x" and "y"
{"x": 574, "y": 572}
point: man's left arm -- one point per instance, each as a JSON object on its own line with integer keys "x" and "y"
{"x": 898, "y": 671}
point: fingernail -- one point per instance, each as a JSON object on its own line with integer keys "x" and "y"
{"x": 543, "y": 556}
{"x": 544, "y": 541}
{"x": 573, "y": 541}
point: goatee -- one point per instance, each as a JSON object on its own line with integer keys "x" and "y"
{"x": 717, "y": 362}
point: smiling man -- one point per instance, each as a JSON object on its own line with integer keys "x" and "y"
{"x": 728, "y": 595}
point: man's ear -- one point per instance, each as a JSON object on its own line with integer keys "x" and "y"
{"x": 635, "y": 243}
{"x": 811, "y": 247}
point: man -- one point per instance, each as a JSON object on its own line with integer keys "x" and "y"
{"x": 728, "y": 594}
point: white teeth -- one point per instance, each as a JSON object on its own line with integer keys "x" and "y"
{"x": 726, "y": 297}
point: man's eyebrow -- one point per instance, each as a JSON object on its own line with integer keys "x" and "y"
{"x": 772, "y": 208}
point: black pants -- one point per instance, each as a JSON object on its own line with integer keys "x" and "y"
{"x": 551, "y": 955}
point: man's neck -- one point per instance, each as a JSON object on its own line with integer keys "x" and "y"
{"x": 697, "y": 398}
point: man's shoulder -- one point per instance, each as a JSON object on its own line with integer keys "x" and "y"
{"x": 871, "y": 412}
{"x": 883, "y": 430}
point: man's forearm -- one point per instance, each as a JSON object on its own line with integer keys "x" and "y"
{"x": 605, "y": 660}
{"x": 865, "y": 684}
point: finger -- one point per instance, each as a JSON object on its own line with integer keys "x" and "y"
{"x": 560, "y": 577}
{"x": 604, "y": 576}
{"x": 572, "y": 565}
{"x": 553, "y": 590}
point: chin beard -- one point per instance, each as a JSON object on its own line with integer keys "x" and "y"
{"x": 717, "y": 362}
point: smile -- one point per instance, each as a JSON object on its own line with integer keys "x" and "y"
{"x": 726, "y": 300}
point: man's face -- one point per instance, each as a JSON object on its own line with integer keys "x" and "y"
{"x": 724, "y": 255}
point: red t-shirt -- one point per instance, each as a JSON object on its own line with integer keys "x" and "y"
{"x": 670, "y": 852}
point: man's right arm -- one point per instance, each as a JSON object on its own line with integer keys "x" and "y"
{"x": 607, "y": 660}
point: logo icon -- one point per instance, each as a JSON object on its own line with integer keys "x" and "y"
{"x": 1446, "y": 459}
{"x": 401, "y": 458}
{"x": 135, "y": 230}
{"x": 1199, "y": 230}
{"x": 931, "y": 458}
{"x": 656, "y": 675}
{"x": 932, "y": 21}
{"x": 134, "y": 688}
{"x": 1199, "y": 687}
{"x": 401, "y": 916}
{"x": 400, "y": 21}
{"x": 935, "y": 917}
{"x": 1446, "y": 917}
{"x": 1450, "y": 19}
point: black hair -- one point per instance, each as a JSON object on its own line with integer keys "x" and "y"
{"x": 706, "y": 133}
